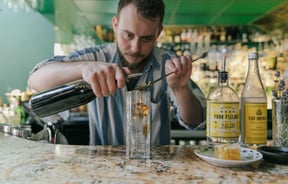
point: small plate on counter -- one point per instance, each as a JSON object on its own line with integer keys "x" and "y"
{"x": 274, "y": 154}
{"x": 248, "y": 156}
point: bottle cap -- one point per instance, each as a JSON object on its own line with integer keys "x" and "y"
{"x": 222, "y": 76}
{"x": 253, "y": 55}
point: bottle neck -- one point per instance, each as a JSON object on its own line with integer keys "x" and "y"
{"x": 223, "y": 83}
{"x": 253, "y": 85}
{"x": 253, "y": 68}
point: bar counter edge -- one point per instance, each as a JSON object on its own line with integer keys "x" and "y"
{"x": 25, "y": 161}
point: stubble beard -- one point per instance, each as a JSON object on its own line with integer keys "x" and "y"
{"x": 134, "y": 67}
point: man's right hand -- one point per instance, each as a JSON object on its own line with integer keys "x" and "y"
{"x": 105, "y": 78}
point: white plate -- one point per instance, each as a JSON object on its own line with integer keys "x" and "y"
{"x": 248, "y": 156}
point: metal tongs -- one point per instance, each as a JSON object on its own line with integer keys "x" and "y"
{"x": 146, "y": 86}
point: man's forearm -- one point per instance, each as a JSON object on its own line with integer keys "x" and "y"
{"x": 54, "y": 74}
{"x": 189, "y": 106}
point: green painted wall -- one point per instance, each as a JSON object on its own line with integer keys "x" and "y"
{"x": 26, "y": 38}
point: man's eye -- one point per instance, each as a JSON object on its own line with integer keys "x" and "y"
{"x": 148, "y": 38}
{"x": 128, "y": 35}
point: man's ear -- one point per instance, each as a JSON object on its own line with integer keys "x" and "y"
{"x": 160, "y": 30}
{"x": 114, "y": 23}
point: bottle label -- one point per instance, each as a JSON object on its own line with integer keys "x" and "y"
{"x": 223, "y": 119}
{"x": 255, "y": 123}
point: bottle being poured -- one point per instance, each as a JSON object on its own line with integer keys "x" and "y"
{"x": 64, "y": 97}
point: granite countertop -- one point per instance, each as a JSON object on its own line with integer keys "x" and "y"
{"x": 25, "y": 161}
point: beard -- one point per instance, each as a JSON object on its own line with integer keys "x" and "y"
{"x": 134, "y": 66}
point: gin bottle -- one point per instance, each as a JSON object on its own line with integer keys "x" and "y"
{"x": 253, "y": 106}
{"x": 223, "y": 112}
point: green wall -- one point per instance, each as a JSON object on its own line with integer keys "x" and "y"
{"x": 26, "y": 38}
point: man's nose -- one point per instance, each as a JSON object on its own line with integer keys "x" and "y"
{"x": 136, "y": 45}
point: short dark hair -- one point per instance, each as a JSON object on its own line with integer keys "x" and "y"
{"x": 149, "y": 9}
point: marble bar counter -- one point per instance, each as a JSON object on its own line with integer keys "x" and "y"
{"x": 24, "y": 161}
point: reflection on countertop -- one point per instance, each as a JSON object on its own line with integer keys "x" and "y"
{"x": 25, "y": 161}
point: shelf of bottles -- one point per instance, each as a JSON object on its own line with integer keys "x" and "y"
{"x": 235, "y": 43}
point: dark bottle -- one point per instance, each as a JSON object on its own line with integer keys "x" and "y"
{"x": 62, "y": 98}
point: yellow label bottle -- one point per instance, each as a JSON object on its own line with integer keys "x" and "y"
{"x": 253, "y": 112}
{"x": 223, "y": 112}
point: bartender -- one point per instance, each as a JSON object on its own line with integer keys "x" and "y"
{"x": 137, "y": 25}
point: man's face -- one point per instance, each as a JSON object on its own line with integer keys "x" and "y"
{"x": 135, "y": 35}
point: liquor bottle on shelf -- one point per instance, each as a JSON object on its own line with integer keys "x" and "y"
{"x": 3, "y": 118}
{"x": 223, "y": 112}
{"x": 20, "y": 110}
{"x": 253, "y": 116}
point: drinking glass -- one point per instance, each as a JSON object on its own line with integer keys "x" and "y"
{"x": 138, "y": 124}
{"x": 280, "y": 122}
